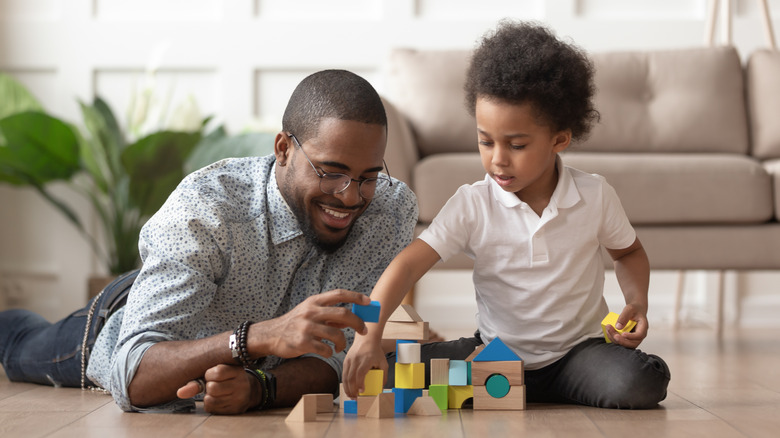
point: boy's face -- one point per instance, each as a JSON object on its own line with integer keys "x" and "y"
{"x": 516, "y": 150}
{"x": 341, "y": 146}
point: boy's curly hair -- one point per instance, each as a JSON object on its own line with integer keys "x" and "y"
{"x": 523, "y": 62}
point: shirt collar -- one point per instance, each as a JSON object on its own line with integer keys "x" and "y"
{"x": 283, "y": 224}
{"x": 565, "y": 194}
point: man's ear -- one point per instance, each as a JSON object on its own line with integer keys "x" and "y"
{"x": 282, "y": 148}
{"x": 561, "y": 141}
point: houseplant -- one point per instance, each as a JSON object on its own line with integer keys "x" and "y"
{"x": 125, "y": 181}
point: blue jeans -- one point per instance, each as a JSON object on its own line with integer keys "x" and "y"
{"x": 594, "y": 373}
{"x": 37, "y": 351}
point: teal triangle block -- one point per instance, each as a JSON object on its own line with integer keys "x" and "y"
{"x": 495, "y": 351}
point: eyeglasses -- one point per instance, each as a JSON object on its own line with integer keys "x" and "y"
{"x": 333, "y": 183}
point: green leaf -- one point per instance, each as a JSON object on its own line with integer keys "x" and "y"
{"x": 38, "y": 149}
{"x": 217, "y": 145}
{"x": 15, "y": 97}
{"x": 155, "y": 165}
{"x": 101, "y": 151}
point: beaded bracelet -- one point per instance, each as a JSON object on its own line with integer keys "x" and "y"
{"x": 238, "y": 346}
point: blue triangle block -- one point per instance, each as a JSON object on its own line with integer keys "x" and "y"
{"x": 496, "y": 351}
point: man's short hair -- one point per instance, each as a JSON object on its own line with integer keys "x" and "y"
{"x": 338, "y": 94}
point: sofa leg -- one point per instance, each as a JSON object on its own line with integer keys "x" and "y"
{"x": 678, "y": 299}
{"x": 719, "y": 304}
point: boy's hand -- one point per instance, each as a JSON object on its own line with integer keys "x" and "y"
{"x": 363, "y": 356}
{"x": 635, "y": 337}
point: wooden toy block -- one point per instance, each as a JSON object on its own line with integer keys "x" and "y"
{"x": 305, "y": 410}
{"x": 324, "y": 402}
{"x": 497, "y": 386}
{"x": 514, "y": 400}
{"x": 373, "y": 382}
{"x": 440, "y": 371}
{"x": 440, "y": 394}
{"x": 416, "y": 331}
{"x": 369, "y": 313}
{"x": 457, "y": 395}
{"x": 458, "y": 374}
{"x": 404, "y": 398}
{"x": 424, "y": 406}
{"x": 405, "y": 313}
{"x": 468, "y": 373}
{"x": 408, "y": 352}
{"x": 342, "y": 396}
{"x": 611, "y": 319}
{"x": 401, "y": 341}
{"x": 350, "y": 407}
{"x": 475, "y": 353}
{"x": 513, "y": 371}
{"x": 410, "y": 375}
{"x": 364, "y": 404}
{"x": 383, "y": 406}
{"x": 496, "y": 350}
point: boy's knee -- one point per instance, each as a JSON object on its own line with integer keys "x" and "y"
{"x": 638, "y": 387}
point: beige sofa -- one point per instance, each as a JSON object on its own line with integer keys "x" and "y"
{"x": 690, "y": 139}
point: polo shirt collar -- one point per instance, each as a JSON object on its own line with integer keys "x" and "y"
{"x": 283, "y": 224}
{"x": 565, "y": 195}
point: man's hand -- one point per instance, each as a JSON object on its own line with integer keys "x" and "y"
{"x": 305, "y": 328}
{"x": 229, "y": 390}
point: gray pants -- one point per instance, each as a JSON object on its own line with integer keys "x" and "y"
{"x": 594, "y": 373}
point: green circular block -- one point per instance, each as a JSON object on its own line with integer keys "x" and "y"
{"x": 497, "y": 386}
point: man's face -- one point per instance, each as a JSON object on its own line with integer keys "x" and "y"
{"x": 341, "y": 146}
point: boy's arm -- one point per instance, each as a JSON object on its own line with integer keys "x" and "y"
{"x": 402, "y": 273}
{"x": 632, "y": 269}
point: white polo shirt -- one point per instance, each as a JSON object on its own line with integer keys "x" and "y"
{"x": 538, "y": 281}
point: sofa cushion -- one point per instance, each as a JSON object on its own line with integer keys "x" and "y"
{"x": 763, "y": 85}
{"x": 655, "y": 189}
{"x": 688, "y": 100}
{"x": 681, "y": 189}
{"x": 427, "y": 87}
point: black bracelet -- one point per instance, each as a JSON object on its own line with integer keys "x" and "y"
{"x": 267, "y": 385}
{"x": 238, "y": 345}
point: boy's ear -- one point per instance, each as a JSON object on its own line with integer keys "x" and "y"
{"x": 561, "y": 141}
{"x": 282, "y": 148}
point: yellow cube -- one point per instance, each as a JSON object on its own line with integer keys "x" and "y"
{"x": 373, "y": 383}
{"x": 611, "y": 319}
{"x": 457, "y": 395}
{"x": 410, "y": 375}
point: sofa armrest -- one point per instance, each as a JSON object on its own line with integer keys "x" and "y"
{"x": 401, "y": 153}
{"x": 773, "y": 167}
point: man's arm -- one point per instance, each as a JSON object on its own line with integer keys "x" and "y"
{"x": 168, "y": 366}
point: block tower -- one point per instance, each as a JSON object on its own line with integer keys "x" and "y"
{"x": 497, "y": 376}
{"x": 407, "y": 327}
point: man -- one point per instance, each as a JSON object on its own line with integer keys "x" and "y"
{"x": 243, "y": 269}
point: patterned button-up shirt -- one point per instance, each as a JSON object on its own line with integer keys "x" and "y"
{"x": 226, "y": 248}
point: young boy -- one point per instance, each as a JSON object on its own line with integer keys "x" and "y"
{"x": 534, "y": 228}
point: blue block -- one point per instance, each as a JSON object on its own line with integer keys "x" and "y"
{"x": 496, "y": 351}
{"x": 369, "y": 313}
{"x": 350, "y": 406}
{"x": 458, "y": 373}
{"x": 404, "y": 398}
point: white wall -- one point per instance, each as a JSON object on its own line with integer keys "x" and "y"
{"x": 240, "y": 59}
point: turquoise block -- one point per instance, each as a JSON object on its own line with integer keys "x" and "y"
{"x": 350, "y": 406}
{"x": 458, "y": 373}
{"x": 497, "y": 386}
{"x": 369, "y": 313}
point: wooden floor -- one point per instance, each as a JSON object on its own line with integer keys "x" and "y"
{"x": 729, "y": 388}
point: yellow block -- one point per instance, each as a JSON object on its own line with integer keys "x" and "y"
{"x": 373, "y": 383}
{"x": 410, "y": 375}
{"x": 456, "y": 395}
{"x": 611, "y": 319}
